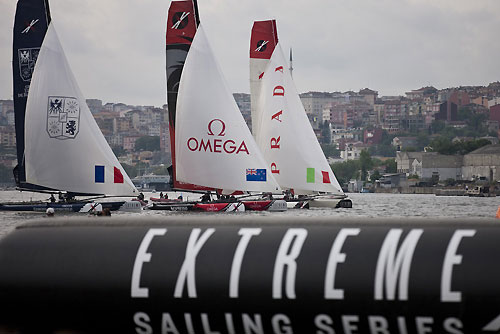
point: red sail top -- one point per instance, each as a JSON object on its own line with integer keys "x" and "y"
{"x": 181, "y": 24}
{"x": 264, "y": 39}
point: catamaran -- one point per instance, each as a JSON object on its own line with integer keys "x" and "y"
{"x": 282, "y": 129}
{"x": 212, "y": 147}
{"x": 60, "y": 146}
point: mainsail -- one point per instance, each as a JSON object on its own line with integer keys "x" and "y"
{"x": 31, "y": 22}
{"x": 262, "y": 43}
{"x": 182, "y": 23}
{"x": 213, "y": 144}
{"x": 65, "y": 148}
{"x": 286, "y": 137}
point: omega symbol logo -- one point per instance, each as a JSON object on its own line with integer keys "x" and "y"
{"x": 222, "y": 127}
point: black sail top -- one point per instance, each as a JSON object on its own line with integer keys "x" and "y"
{"x": 31, "y": 23}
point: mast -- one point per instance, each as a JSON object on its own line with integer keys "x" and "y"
{"x": 182, "y": 22}
{"x": 291, "y": 63}
{"x": 30, "y": 25}
{"x": 196, "y": 13}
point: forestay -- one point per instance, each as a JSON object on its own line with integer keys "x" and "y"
{"x": 65, "y": 149}
{"x": 214, "y": 146}
{"x": 286, "y": 137}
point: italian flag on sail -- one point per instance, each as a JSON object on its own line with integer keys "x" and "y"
{"x": 311, "y": 176}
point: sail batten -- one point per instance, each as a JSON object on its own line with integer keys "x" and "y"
{"x": 64, "y": 147}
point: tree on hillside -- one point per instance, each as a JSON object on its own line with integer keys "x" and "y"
{"x": 118, "y": 150}
{"x": 326, "y": 135}
{"x": 391, "y": 166}
{"x": 147, "y": 143}
{"x": 130, "y": 170}
{"x": 365, "y": 163}
{"x": 345, "y": 171}
{"x": 330, "y": 151}
{"x": 445, "y": 146}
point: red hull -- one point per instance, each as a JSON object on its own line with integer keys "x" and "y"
{"x": 257, "y": 205}
{"x": 211, "y": 207}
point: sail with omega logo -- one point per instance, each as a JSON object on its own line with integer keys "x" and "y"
{"x": 213, "y": 144}
{"x": 286, "y": 137}
{"x": 182, "y": 22}
{"x": 262, "y": 43}
{"x": 30, "y": 26}
{"x": 65, "y": 149}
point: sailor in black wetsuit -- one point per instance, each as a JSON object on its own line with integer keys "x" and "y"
{"x": 206, "y": 197}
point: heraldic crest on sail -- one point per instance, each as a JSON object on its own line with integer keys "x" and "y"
{"x": 63, "y": 117}
{"x": 27, "y": 60}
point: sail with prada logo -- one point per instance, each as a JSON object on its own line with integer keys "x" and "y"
{"x": 283, "y": 131}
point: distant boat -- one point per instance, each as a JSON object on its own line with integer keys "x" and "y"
{"x": 64, "y": 149}
{"x": 282, "y": 129}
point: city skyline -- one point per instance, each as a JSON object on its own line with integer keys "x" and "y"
{"x": 117, "y": 49}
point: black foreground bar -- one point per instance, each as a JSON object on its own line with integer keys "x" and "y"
{"x": 217, "y": 275}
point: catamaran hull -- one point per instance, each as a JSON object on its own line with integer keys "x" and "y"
{"x": 220, "y": 207}
{"x": 60, "y": 207}
{"x": 261, "y": 205}
{"x": 332, "y": 203}
{"x": 269, "y": 205}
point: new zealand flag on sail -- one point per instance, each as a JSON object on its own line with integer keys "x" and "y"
{"x": 256, "y": 174}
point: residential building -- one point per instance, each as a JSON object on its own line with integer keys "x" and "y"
{"x": 352, "y": 151}
{"x": 372, "y": 136}
{"x": 369, "y": 96}
{"x": 94, "y": 105}
{"x": 129, "y": 142}
{"x": 8, "y": 136}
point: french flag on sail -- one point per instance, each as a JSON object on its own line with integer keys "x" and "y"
{"x": 99, "y": 174}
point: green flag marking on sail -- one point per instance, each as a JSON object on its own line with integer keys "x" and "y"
{"x": 310, "y": 175}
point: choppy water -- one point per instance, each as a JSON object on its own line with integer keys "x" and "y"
{"x": 364, "y": 205}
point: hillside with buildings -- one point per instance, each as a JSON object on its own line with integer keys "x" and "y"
{"x": 403, "y": 128}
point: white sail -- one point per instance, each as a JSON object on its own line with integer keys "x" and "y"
{"x": 286, "y": 137}
{"x": 65, "y": 150}
{"x": 213, "y": 144}
{"x": 257, "y": 67}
